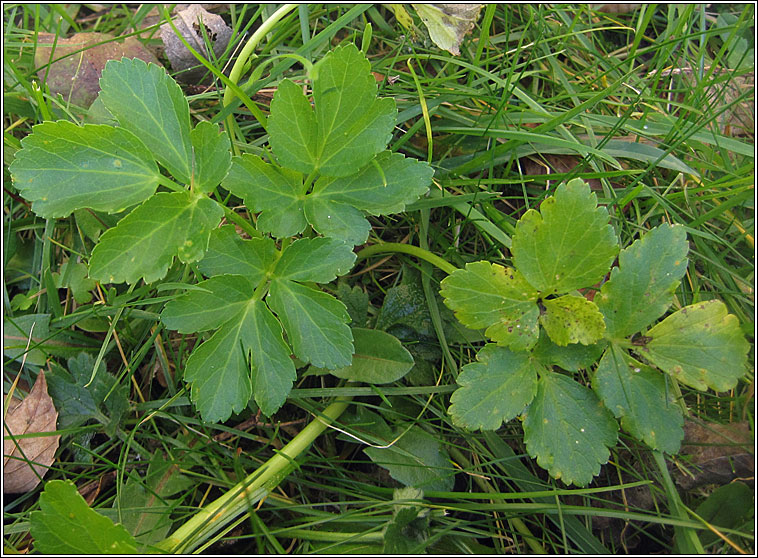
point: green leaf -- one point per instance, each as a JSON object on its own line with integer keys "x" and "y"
{"x": 229, "y": 254}
{"x": 729, "y": 506}
{"x": 276, "y": 192}
{"x": 641, "y": 288}
{"x": 315, "y": 322}
{"x": 144, "y": 243}
{"x": 572, "y": 357}
{"x": 638, "y": 395}
{"x": 63, "y": 167}
{"x": 489, "y": 295}
{"x": 73, "y": 275}
{"x": 416, "y": 459}
{"x": 65, "y": 524}
{"x": 409, "y": 527}
{"x": 211, "y": 156}
{"x": 148, "y": 102}
{"x": 572, "y": 319}
{"x": 493, "y": 390}
{"x": 356, "y": 301}
{"x": 701, "y": 346}
{"x": 379, "y": 358}
{"x": 33, "y": 331}
{"x": 568, "y": 244}
{"x": 568, "y": 430}
{"x": 319, "y": 260}
{"x": 448, "y": 23}
{"x": 349, "y": 125}
{"x": 337, "y": 220}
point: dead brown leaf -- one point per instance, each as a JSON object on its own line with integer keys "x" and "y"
{"x": 77, "y": 76}
{"x": 26, "y": 460}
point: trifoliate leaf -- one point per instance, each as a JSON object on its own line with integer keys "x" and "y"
{"x": 701, "y": 345}
{"x": 572, "y": 357}
{"x": 144, "y": 243}
{"x": 319, "y": 260}
{"x": 277, "y": 192}
{"x": 337, "y": 220}
{"x": 63, "y": 167}
{"x": 568, "y": 430}
{"x": 568, "y": 244}
{"x": 379, "y": 358}
{"x": 148, "y": 102}
{"x": 637, "y": 395}
{"x": 641, "y": 288}
{"x": 385, "y": 186}
{"x": 211, "y": 156}
{"x": 229, "y": 254}
{"x": 65, "y": 524}
{"x": 572, "y": 319}
{"x": 493, "y": 390}
{"x": 315, "y": 322}
{"x": 416, "y": 459}
{"x": 348, "y": 126}
{"x": 489, "y": 295}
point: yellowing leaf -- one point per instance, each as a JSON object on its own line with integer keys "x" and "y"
{"x": 572, "y": 319}
{"x": 448, "y": 23}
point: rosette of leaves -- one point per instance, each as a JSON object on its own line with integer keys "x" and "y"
{"x": 331, "y": 167}
{"x": 543, "y": 330}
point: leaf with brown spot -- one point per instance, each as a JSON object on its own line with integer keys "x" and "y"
{"x": 26, "y": 460}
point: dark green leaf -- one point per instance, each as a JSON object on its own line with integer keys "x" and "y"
{"x": 33, "y": 331}
{"x": 337, "y": 220}
{"x": 641, "y": 288}
{"x": 638, "y": 395}
{"x": 66, "y": 525}
{"x": 211, "y": 156}
{"x": 319, "y": 260}
{"x": 572, "y": 319}
{"x": 144, "y": 243}
{"x": 568, "y": 430}
{"x": 229, "y": 254}
{"x": 572, "y": 357}
{"x": 409, "y": 527}
{"x": 493, "y": 390}
{"x": 148, "y": 102}
{"x": 379, "y": 358}
{"x": 356, "y": 302}
{"x": 568, "y": 244}
{"x": 63, "y": 167}
{"x": 728, "y": 507}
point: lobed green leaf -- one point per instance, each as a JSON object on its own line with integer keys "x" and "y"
{"x": 229, "y": 254}
{"x": 572, "y": 319}
{"x": 568, "y": 244}
{"x": 337, "y": 220}
{"x": 319, "y": 260}
{"x": 63, "y": 167}
{"x": 211, "y": 156}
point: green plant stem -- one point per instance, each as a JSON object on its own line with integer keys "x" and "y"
{"x": 420, "y": 253}
{"x": 253, "y": 488}
{"x": 247, "y": 51}
{"x": 242, "y": 222}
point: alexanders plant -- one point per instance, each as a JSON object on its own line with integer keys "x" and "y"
{"x": 544, "y": 333}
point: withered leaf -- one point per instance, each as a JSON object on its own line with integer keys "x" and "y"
{"x": 26, "y": 460}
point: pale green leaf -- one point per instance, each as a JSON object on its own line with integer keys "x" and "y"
{"x": 274, "y": 191}
{"x": 568, "y": 430}
{"x": 448, "y": 23}
{"x": 211, "y": 156}
{"x": 348, "y": 126}
{"x": 379, "y": 358}
{"x": 319, "y": 260}
{"x": 63, "y": 167}
{"x": 337, "y": 220}
{"x": 638, "y": 395}
{"x": 416, "y": 459}
{"x": 229, "y": 254}
{"x": 568, "y": 244}
{"x": 144, "y": 243}
{"x": 572, "y": 319}
{"x": 65, "y": 524}
{"x": 31, "y": 339}
{"x": 148, "y": 102}
{"x": 701, "y": 346}
{"x": 489, "y": 295}
{"x": 385, "y": 186}
{"x": 495, "y": 389}
{"x": 641, "y": 288}
{"x": 315, "y": 322}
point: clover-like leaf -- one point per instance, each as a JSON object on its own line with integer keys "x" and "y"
{"x": 486, "y": 295}
{"x": 348, "y": 125}
{"x": 148, "y": 102}
{"x": 641, "y": 288}
{"x": 211, "y": 156}
{"x": 144, "y": 243}
{"x": 568, "y": 244}
{"x": 63, "y": 167}
{"x": 315, "y": 322}
{"x": 572, "y": 319}
{"x": 568, "y": 430}
{"x": 319, "y": 260}
{"x": 701, "y": 345}
{"x": 637, "y": 395}
{"x": 277, "y": 192}
{"x": 229, "y": 254}
{"x": 495, "y": 389}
